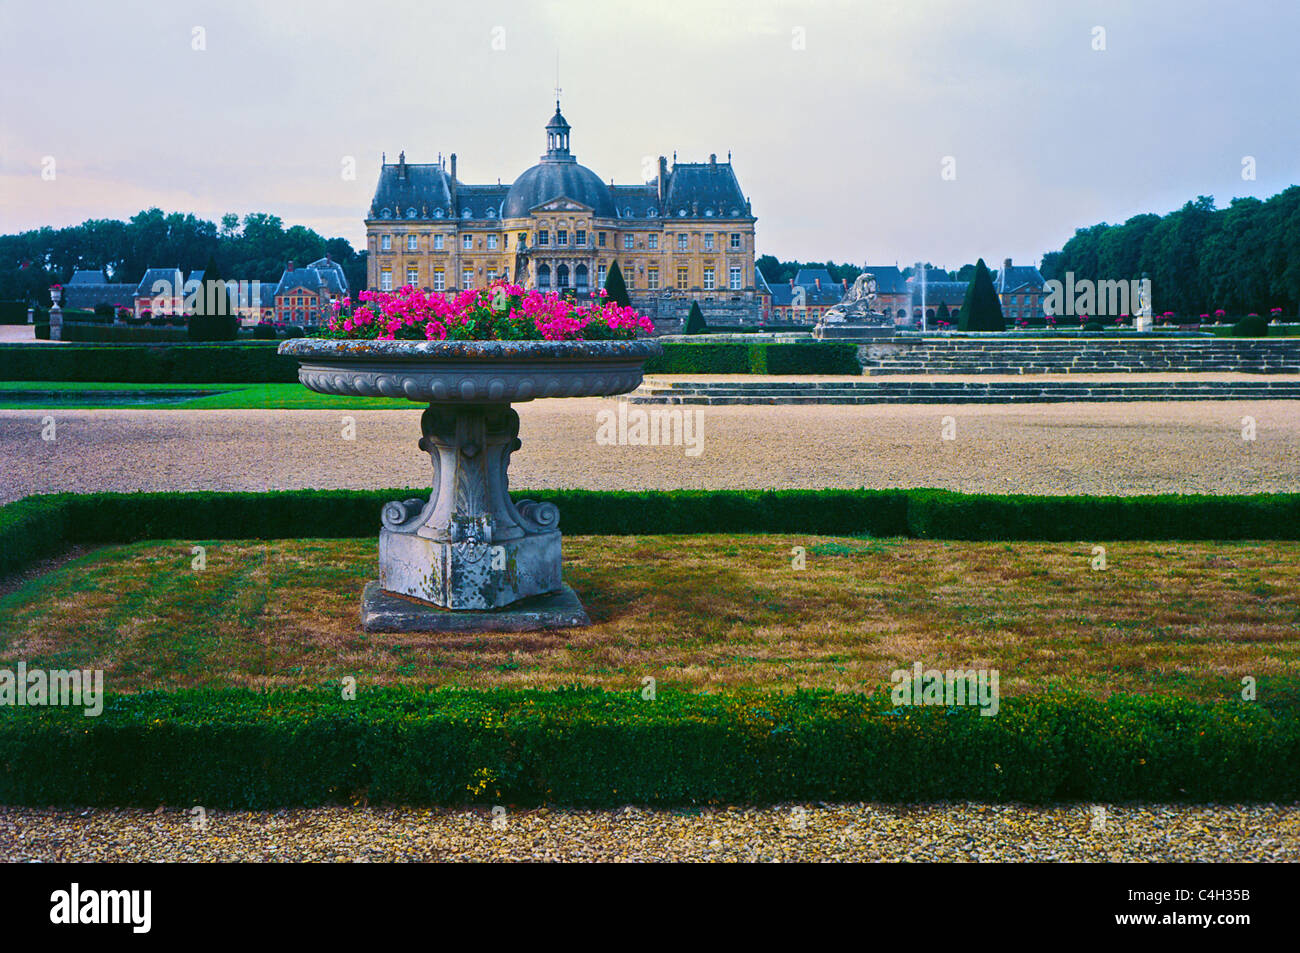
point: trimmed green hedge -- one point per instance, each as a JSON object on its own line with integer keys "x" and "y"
{"x": 123, "y": 334}
{"x": 758, "y": 358}
{"x": 39, "y": 526}
{"x": 13, "y": 312}
{"x": 234, "y": 363}
{"x": 236, "y": 748}
{"x": 255, "y": 362}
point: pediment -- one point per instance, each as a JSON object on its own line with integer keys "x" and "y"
{"x": 561, "y": 204}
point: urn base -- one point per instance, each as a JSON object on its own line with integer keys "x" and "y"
{"x": 469, "y": 575}
{"x": 384, "y": 612}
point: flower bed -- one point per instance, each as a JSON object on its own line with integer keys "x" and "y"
{"x": 500, "y": 312}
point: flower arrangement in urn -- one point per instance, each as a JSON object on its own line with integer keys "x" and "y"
{"x": 499, "y": 312}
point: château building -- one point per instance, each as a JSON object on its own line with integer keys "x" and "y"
{"x": 687, "y": 235}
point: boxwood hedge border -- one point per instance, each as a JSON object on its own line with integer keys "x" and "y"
{"x": 40, "y": 526}
{"x": 236, "y": 748}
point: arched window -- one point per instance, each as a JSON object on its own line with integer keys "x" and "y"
{"x": 929, "y": 312}
{"x": 543, "y": 277}
{"x": 902, "y": 313}
{"x": 562, "y": 277}
{"x": 580, "y": 278}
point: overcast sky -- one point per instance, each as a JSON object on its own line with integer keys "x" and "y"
{"x": 839, "y": 115}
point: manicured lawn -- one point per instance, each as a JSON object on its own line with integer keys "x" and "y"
{"x": 694, "y": 612}
{"x": 86, "y": 395}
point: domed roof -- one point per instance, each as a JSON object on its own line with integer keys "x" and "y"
{"x": 558, "y": 175}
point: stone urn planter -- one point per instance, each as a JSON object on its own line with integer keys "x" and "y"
{"x": 469, "y": 548}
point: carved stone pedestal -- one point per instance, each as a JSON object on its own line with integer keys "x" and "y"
{"x": 469, "y": 546}
{"x": 468, "y": 558}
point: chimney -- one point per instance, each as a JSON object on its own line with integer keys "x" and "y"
{"x": 818, "y": 283}
{"x": 713, "y": 158}
{"x": 289, "y": 267}
{"x": 663, "y": 177}
{"x": 1006, "y": 264}
{"x": 401, "y": 165}
{"x": 791, "y": 282}
{"x": 453, "y": 181}
{"x": 844, "y": 283}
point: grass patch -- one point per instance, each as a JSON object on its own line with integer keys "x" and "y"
{"x": 82, "y": 395}
{"x": 698, "y": 612}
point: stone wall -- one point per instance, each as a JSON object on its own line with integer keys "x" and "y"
{"x": 669, "y": 313}
{"x": 968, "y": 355}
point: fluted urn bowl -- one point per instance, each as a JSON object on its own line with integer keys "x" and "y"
{"x": 471, "y": 371}
{"x": 469, "y": 546}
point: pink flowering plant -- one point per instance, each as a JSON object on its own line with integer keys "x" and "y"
{"x": 499, "y": 312}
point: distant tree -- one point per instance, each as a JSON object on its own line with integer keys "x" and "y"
{"x": 981, "y": 311}
{"x": 695, "y": 323}
{"x": 943, "y": 314}
{"x": 616, "y": 287}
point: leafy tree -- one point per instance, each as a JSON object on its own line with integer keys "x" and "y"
{"x": 943, "y": 314}
{"x": 615, "y": 286}
{"x": 695, "y": 323}
{"x": 981, "y": 310}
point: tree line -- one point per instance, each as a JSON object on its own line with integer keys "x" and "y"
{"x": 1244, "y": 258}
{"x": 255, "y": 247}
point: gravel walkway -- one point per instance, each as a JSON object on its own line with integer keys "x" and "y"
{"x": 863, "y": 832}
{"x": 1148, "y": 447}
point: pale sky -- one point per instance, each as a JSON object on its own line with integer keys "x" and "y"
{"x": 839, "y": 115}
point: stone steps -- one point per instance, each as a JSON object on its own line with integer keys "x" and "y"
{"x": 958, "y": 392}
{"x": 1065, "y": 356}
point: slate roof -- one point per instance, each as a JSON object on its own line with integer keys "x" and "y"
{"x": 1017, "y": 277}
{"x": 424, "y": 191}
{"x": 331, "y": 274}
{"x": 703, "y": 189}
{"x": 938, "y": 292}
{"x": 783, "y": 295}
{"x": 889, "y": 280}
{"x": 172, "y": 276}
{"x": 308, "y": 278}
{"x": 87, "y": 276}
{"x": 87, "y": 294}
{"x": 809, "y": 276}
{"x": 482, "y": 201}
{"x": 405, "y": 186}
{"x": 636, "y": 201}
{"x": 322, "y": 274}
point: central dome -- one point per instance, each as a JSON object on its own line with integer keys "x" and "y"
{"x": 558, "y": 175}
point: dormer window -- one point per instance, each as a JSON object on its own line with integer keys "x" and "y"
{"x": 438, "y": 213}
{"x": 466, "y": 214}
{"x": 385, "y": 213}
{"x": 411, "y": 213}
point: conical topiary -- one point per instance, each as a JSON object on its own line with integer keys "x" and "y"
{"x": 981, "y": 311}
{"x": 695, "y": 323}
{"x": 615, "y": 287}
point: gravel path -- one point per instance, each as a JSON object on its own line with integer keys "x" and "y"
{"x": 863, "y": 832}
{"x": 1145, "y": 447}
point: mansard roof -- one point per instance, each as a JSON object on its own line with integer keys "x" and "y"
{"x": 694, "y": 190}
